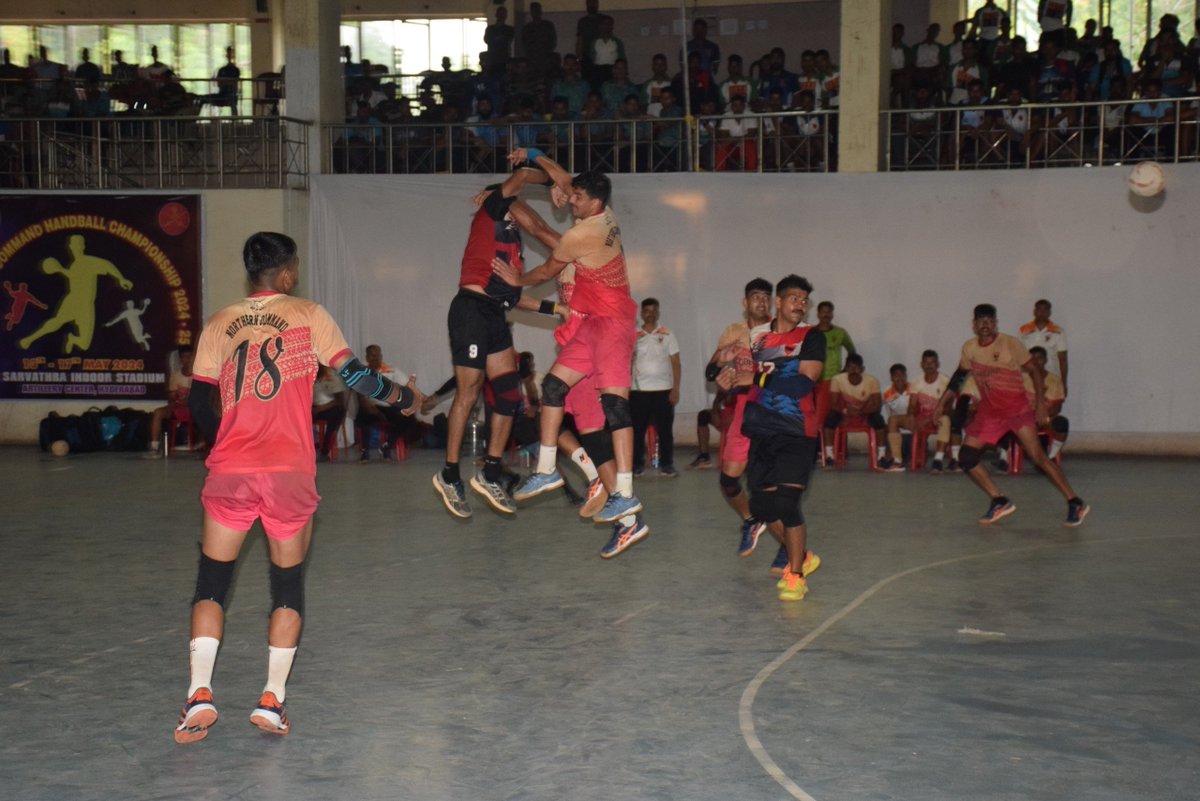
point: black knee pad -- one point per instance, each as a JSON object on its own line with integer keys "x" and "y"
{"x": 212, "y": 580}
{"x": 969, "y": 457}
{"x": 704, "y": 419}
{"x": 598, "y": 445}
{"x": 554, "y": 391}
{"x": 787, "y": 506}
{"x": 507, "y": 388}
{"x": 731, "y": 486}
{"x": 762, "y": 506}
{"x": 287, "y": 588}
{"x": 616, "y": 412}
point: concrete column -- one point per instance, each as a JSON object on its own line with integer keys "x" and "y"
{"x": 865, "y": 46}
{"x": 313, "y": 83}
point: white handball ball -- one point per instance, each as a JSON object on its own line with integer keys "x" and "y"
{"x": 60, "y": 447}
{"x": 1147, "y": 179}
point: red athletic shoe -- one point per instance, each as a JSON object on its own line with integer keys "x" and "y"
{"x": 270, "y": 716}
{"x": 197, "y": 716}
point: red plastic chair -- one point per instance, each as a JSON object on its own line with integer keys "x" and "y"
{"x": 1016, "y": 454}
{"x": 920, "y": 446}
{"x": 651, "y": 444}
{"x": 319, "y": 427}
{"x": 180, "y": 416}
{"x": 853, "y": 425}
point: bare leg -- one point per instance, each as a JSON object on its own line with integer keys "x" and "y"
{"x": 1027, "y": 436}
{"x": 468, "y": 383}
{"x": 979, "y": 473}
{"x": 740, "y": 503}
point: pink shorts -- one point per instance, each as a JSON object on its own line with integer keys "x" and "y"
{"x": 603, "y": 349}
{"x": 990, "y": 430}
{"x": 583, "y": 403}
{"x": 735, "y": 446}
{"x": 284, "y": 501}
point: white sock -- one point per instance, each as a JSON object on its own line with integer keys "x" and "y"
{"x": 954, "y": 452}
{"x": 625, "y": 484}
{"x": 880, "y": 451}
{"x": 580, "y": 458}
{"x": 828, "y": 451}
{"x": 279, "y": 665}
{"x": 628, "y": 520}
{"x": 547, "y": 457}
{"x": 939, "y": 456}
{"x": 1055, "y": 447}
{"x": 203, "y": 658}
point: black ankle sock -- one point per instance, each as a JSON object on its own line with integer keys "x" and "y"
{"x": 450, "y": 473}
{"x": 491, "y": 469}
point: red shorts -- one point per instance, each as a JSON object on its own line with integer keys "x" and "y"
{"x": 583, "y": 403}
{"x": 603, "y": 349}
{"x": 990, "y": 430}
{"x": 735, "y": 446}
{"x": 284, "y": 501}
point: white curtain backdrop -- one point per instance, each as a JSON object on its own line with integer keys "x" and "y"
{"x": 903, "y": 257}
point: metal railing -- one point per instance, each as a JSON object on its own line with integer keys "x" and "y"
{"x": 783, "y": 142}
{"x": 1041, "y": 134}
{"x": 214, "y": 96}
{"x": 154, "y": 153}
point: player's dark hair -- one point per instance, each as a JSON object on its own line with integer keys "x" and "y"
{"x": 1038, "y": 349}
{"x": 985, "y": 310}
{"x": 649, "y": 302}
{"x": 525, "y": 364}
{"x": 927, "y": 353}
{"x": 596, "y": 184}
{"x": 266, "y": 252}
{"x": 184, "y": 349}
{"x": 897, "y": 366}
{"x": 855, "y": 358}
{"x": 1044, "y": 302}
{"x": 759, "y": 285}
{"x": 825, "y": 304}
{"x": 793, "y": 282}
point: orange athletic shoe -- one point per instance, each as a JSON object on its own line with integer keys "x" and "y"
{"x": 197, "y": 716}
{"x": 270, "y": 716}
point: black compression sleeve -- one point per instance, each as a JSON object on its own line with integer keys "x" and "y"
{"x": 956, "y": 380}
{"x": 202, "y": 405}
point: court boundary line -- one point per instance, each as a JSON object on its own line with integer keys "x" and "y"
{"x": 746, "y": 704}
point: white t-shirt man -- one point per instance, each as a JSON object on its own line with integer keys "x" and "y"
{"x": 652, "y": 370}
{"x": 1052, "y": 338}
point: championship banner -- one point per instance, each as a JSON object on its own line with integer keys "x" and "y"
{"x": 97, "y": 293}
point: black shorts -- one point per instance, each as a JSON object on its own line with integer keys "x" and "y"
{"x": 478, "y": 328}
{"x": 780, "y": 460}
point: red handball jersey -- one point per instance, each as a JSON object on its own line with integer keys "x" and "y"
{"x": 262, "y": 354}
{"x": 493, "y": 235}
{"x": 996, "y": 368}
{"x": 593, "y": 245}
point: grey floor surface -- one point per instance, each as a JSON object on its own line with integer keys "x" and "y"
{"x": 502, "y": 659}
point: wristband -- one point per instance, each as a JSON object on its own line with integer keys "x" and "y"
{"x": 531, "y": 156}
{"x": 548, "y": 308}
{"x": 712, "y": 371}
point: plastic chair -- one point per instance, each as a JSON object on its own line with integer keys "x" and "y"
{"x": 399, "y": 446}
{"x": 180, "y": 416}
{"x": 319, "y": 427}
{"x": 652, "y": 445}
{"x": 1016, "y": 454}
{"x": 853, "y": 425}
{"x": 920, "y": 445}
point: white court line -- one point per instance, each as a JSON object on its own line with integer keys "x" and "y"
{"x": 632, "y": 615}
{"x": 745, "y": 707}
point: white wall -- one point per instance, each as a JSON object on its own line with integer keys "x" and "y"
{"x": 904, "y": 257}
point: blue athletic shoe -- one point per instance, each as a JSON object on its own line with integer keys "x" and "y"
{"x": 624, "y": 536}
{"x": 536, "y": 484}
{"x": 779, "y": 566}
{"x": 752, "y": 529}
{"x": 617, "y": 507}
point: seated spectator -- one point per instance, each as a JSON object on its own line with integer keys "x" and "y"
{"x": 633, "y": 136}
{"x": 855, "y": 395}
{"x": 1150, "y": 120}
{"x": 960, "y": 75}
{"x": 975, "y": 142}
{"x": 895, "y": 405}
{"x": 485, "y": 137}
{"x": 560, "y": 131}
{"x": 522, "y": 86}
{"x": 375, "y": 415}
{"x": 571, "y": 86}
{"x": 164, "y": 418}
{"x": 809, "y": 128}
{"x": 618, "y": 87}
{"x": 594, "y": 142}
{"x": 924, "y": 395}
{"x": 651, "y": 89}
{"x": 736, "y": 84}
{"x": 1058, "y": 133}
{"x": 1013, "y": 120}
{"x": 1018, "y": 72}
{"x": 831, "y": 81}
{"x": 668, "y": 133}
{"x": 329, "y": 406}
{"x": 1053, "y": 73}
{"x": 700, "y": 85}
{"x": 1054, "y": 395}
{"x": 737, "y": 133}
{"x": 1112, "y": 120}
{"x": 1114, "y": 66}
{"x": 809, "y": 78}
{"x": 526, "y": 132}
{"x": 777, "y": 78}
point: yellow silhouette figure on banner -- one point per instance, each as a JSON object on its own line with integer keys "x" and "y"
{"x": 78, "y": 306}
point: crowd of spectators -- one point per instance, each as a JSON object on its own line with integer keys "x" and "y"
{"x": 984, "y": 65}
{"x": 46, "y": 88}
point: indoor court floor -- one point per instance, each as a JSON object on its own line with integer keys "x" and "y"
{"x": 495, "y": 659}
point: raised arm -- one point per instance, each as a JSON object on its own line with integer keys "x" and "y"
{"x": 368, "y": 382}
{"x": 553, "y": 170}
{"x": 532, "y": 222}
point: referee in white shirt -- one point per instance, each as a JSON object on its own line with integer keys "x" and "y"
{"x": 655, "y": 390}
